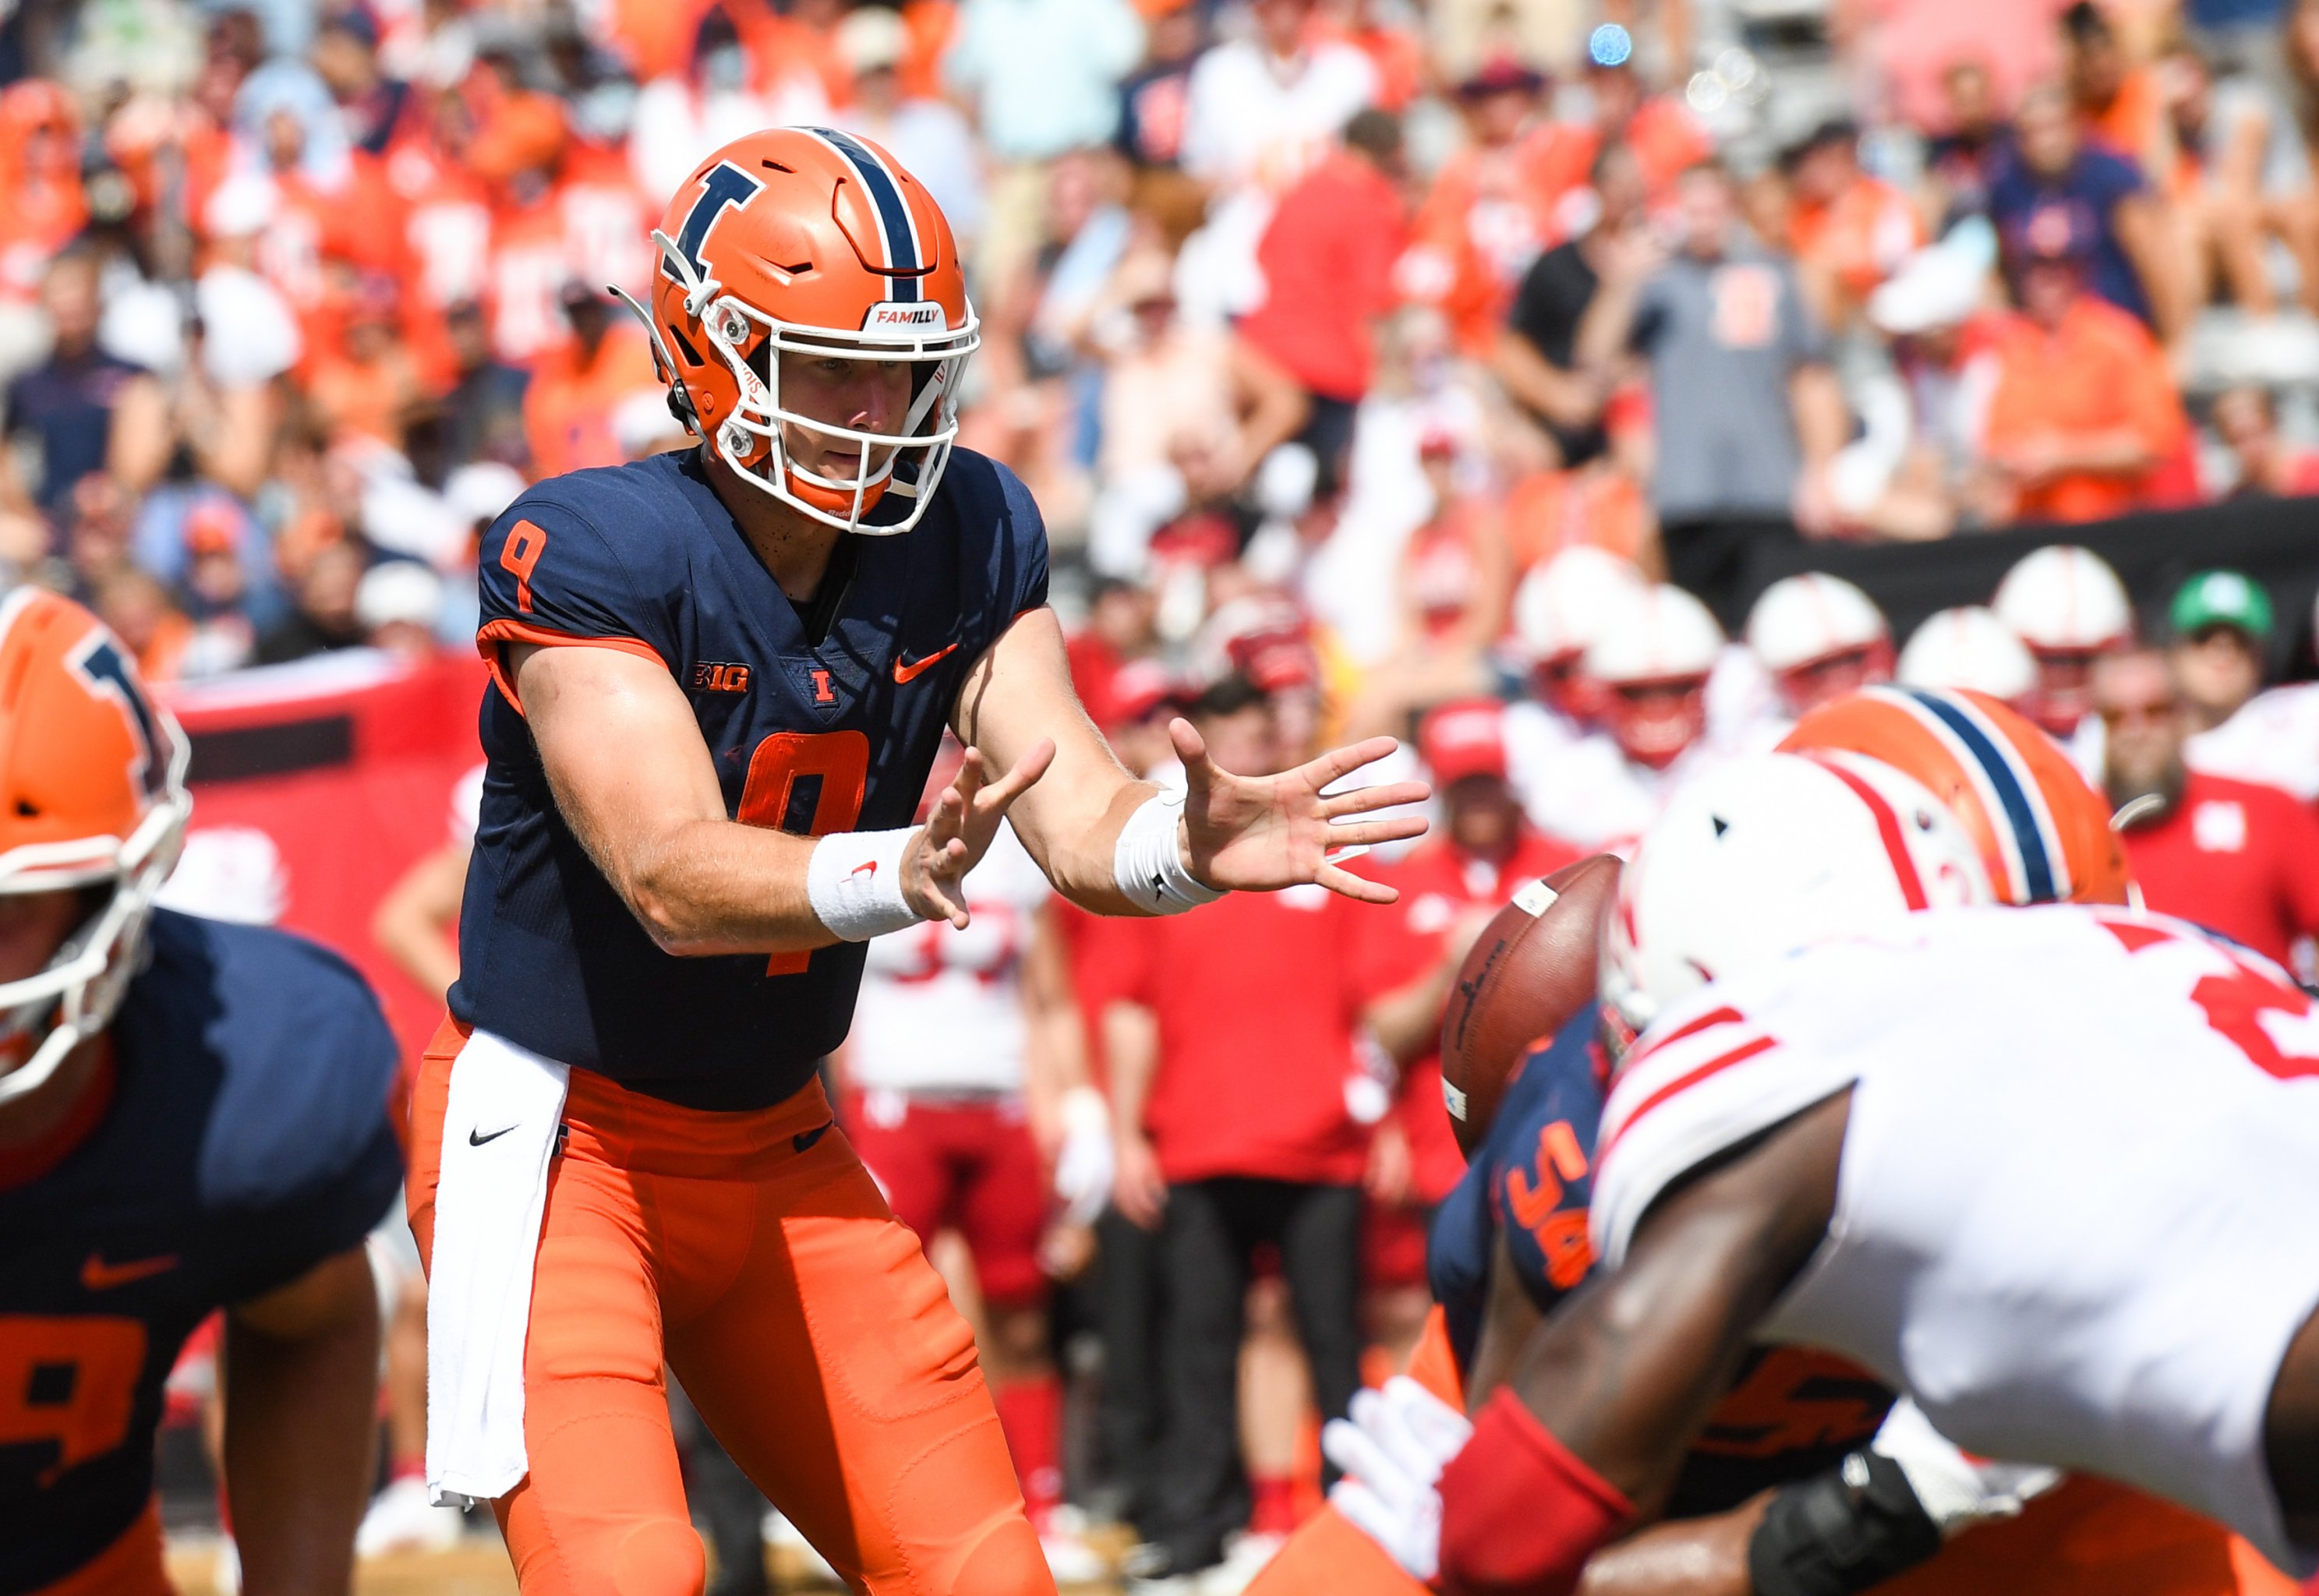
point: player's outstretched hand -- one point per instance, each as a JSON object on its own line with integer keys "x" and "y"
{"x": 957, "y": 833}
{"x": 1258, "y": 834}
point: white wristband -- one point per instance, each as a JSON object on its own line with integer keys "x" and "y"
{"x": 854, "y": 883}
{"x": 1148, "y": 866}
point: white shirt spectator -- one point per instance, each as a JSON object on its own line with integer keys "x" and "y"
{"x": 1044, "y": 74}
{"x": 1254, "y": 119}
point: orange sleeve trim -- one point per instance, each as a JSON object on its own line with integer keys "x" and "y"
{"x": 491, "y": 634}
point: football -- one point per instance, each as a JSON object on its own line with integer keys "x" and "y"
{"x": 1530, "y": 970}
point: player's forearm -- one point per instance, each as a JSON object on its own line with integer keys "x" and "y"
{"x": 712, "y": 887}
{"x": 1080, "y": 832}
{"x": 301, "y": 1382}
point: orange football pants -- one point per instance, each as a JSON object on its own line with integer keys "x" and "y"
{"x": 752, "y": 1254}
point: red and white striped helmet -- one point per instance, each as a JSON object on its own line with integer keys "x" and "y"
{"x": 1559, "y": 606}
{"x": 1650, "y": 658}
{"x": 2065, "y": 599}
{"x": 1968, "y": 648}
{"x": 1819, "y": 637}
{"x": 1763, "y": 855}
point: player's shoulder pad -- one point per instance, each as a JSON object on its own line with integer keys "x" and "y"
{"x": 998, "y": 519}
{"x": 303, "y": 1056}
{"x": 603, "y": 553}
{"x": 636, "y": 519}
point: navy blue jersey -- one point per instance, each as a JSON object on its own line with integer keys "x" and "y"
{"x": 246, "y": 1140}
{"x": 1791, "y": 1413}
{"x": 808, "y": 736}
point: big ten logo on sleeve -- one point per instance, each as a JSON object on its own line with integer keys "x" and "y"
{"x": 67, "y": 1390}
{"x": 810, "y": 784}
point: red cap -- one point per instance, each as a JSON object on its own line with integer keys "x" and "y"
{"x": 1464, "y": 739}
{"x": 212, "y": 527}
{"x": 1140, "y": 689}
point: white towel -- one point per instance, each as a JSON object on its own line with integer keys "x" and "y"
{"x": 499, "y": 1135}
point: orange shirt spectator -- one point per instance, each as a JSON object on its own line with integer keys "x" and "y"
{"x": 1327, "y": 260}
{"x": 779, "y": 46}
{"x": 1598, "y": 504}
{"x": 367, "y": 384}
{"x": 577, "y": 384}
{"x": 40, "y": 174}
{"x": 1398, "y": 55}
{"x": 2084, "y": 409}
{"x": 1848, "y": 231}
{"x": 931, "y": 23}
{"x": 655, "y": 37}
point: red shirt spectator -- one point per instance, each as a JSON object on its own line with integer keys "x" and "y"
{"x": 1328, "y": 266}
{"x": 2235, "y": 857}
{"x": 1256, "y": 1005}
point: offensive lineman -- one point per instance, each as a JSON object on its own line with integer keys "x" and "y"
{"x": 2030, "y": 1108}
{"x": 193, "y": 1115}
{"x": 720, "y": 677}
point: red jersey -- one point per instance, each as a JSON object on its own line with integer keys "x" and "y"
{"x": 1396, "y": 943}
{"x": 1257, "y": 1003}
{"x": 1328, "y": 267}
{"x": 2235, "y": 857}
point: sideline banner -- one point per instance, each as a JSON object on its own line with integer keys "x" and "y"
{"x": 315, "y": 786}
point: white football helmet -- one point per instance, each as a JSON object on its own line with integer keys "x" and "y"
{"x": 2065, "y": 599}
{"x": 1802, "y": 618}
{"x": 1763, "y": 855}
{"x": 1968, "y": 647}
{"x": 2068, "y": 605}
{"x": 1560, "y": 604}
{"x": 1650, "y": 657}
{"x": 1819, "y": 637}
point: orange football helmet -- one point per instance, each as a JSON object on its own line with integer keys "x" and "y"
{"x": 811, "y": 242}
{"x": 92, "y": 797}
{"x": 2043, "y": 833}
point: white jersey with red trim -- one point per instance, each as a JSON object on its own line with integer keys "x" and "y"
{"x": 942, "y": 1010}
{"x": 2081, "y": 1180}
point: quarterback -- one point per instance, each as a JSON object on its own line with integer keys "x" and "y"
{"x": 720, "y": 677}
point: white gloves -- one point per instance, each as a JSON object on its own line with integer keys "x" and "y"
{"x": 1083, "y": 1162}
{"x": 1956, "y": 1491}
{"x": 1393, "y": 1450}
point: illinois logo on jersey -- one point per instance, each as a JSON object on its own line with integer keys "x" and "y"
{"x": 818, "y": 686}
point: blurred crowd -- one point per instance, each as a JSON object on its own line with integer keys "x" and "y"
{"x": 1431, "y": 367}
{"x": 1373, "y": 304}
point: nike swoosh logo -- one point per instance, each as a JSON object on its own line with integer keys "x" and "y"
{"x": 907, "y": 673}
{"x": 475, "y": 1140}
{"x": 804, "y": 1139}
{"x": 96, "y": 1275}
